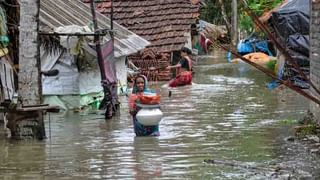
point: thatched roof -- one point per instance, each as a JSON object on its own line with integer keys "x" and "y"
{"x": 57, "y": 13}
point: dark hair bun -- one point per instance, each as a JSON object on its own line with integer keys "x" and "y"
{"x": 186, "y": 50}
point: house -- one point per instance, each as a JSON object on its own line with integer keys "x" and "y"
{"x": 314, "y": 55}
{"x": 79, "y": 74}
{"x": 166, "y": 24}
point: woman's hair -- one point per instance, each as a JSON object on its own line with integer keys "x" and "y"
{"x": 186, "y": 50}
{"x": 135, "y": 80}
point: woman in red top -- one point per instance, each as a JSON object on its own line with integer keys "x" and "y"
{"x": 184, "y": 69}
{"x": 140, "y": 86}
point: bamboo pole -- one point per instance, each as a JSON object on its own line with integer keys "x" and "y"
{"x": 97, "y": 40}
{"x": 109, "y": 92}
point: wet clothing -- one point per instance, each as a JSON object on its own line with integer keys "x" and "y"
{"x": 185, "y": 77}
{"x": 139, "y": 129}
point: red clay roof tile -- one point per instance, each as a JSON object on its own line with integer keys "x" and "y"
{"x": 162, "y": 22}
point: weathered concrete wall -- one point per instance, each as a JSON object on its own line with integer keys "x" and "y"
{"x": 29, "y": 57}
{"x": 315, "y": 53}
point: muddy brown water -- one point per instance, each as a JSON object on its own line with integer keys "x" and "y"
{"x": 227, "y": 115}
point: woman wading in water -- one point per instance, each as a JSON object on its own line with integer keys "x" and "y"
{"x": 140, "y": 86}
{"x": 184, "y": 69}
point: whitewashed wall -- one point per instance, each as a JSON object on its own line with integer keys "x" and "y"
{"x": 189, "y": 40}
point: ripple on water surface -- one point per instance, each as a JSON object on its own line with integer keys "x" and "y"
{"x": 227, "y": 115}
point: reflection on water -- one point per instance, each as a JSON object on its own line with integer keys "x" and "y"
{"x": 227, "y": 114}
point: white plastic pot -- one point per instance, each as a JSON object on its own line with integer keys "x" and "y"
{"x": 149, "y": 116}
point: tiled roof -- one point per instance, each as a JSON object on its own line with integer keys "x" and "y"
{"x": 162, "y": 22}
{"x": 56, "y": 13}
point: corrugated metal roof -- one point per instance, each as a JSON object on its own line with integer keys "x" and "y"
{"x": 74, "y": 12}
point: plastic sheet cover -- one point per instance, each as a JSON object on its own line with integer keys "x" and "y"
{"x": 291, "y": 26}
{"x": 291, "y": 18}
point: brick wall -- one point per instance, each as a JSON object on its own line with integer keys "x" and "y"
{"x": 315, "y": 53}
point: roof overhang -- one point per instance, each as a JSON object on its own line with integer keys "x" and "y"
{"x": 59, "y": 13}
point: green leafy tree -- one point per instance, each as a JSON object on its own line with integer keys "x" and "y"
{"x": 258, "y": 7}
{"x": 213, "y": 12}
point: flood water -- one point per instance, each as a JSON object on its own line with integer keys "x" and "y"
{"x": 226, "y": 116}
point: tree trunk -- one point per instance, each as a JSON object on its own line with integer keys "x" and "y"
{"x": 225, "y": 16}
{"x": 234, "y": 21}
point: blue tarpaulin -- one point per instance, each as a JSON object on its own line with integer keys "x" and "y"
{"x": 252, "y": 44}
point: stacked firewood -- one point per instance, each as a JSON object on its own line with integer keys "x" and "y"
{"x": 152, "y": 64}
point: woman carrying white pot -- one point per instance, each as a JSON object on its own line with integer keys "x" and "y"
{"x": 139, "y": 87}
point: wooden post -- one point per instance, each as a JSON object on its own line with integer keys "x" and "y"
{"x": 97, "y": 39}
{"x": 110, "y": 91}
{"x": 111, "y": 19}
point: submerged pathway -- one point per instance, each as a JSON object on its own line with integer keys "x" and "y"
{"x": 225, "y": 126}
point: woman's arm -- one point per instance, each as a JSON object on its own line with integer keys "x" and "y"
{"x": 174, "y": 66}
{"x": 132, "y": 104}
